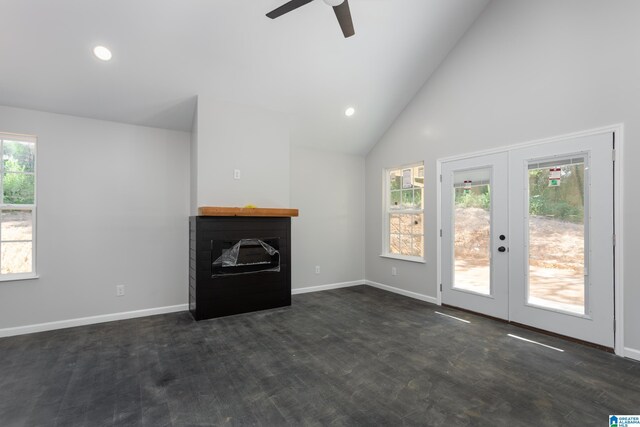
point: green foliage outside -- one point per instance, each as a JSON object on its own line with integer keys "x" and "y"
{"x": 561, "y": 210}
{"x": 396, "y": 180}
{"x": 18, "y": 186}
{"x": 565, "y": 202}
{"x": 476, "y": 197}
{"x": 406, "y": 198}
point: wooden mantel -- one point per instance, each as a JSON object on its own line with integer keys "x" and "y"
{"x": 229, "y": 211}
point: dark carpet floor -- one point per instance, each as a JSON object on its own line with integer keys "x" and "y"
{"x": 354, "y": 356}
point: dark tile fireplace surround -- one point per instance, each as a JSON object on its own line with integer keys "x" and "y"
{"x": 238, "y": 264}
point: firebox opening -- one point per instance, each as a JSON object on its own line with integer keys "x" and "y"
{"x": 245, "y": 256}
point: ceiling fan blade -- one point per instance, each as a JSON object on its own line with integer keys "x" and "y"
{"x": 287, "y": 7}
{"x": 344, "y": 18}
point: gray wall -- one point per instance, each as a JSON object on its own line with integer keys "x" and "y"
{"x": 328, "y": 188}
{"x": 254, "y": 140}
{"x": 526, "y": 70}
{"x": 193, "y": 165}
{"x": 113, "y": 201}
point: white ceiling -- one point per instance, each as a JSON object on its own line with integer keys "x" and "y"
{"x": 165, "y": 52}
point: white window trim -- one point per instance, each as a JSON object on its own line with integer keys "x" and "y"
{"x": 404, "y": 258}
{"x": 33, "y": 207}
{"x": 386, "y": 191}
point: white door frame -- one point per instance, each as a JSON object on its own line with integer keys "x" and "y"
{"x": 618, "y": 186}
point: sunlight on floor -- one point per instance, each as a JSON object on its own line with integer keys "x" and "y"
{"x": 453, "y": 317}
{"x": 535, "y": 342}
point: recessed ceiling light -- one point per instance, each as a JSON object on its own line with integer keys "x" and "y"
{"x": 102, "y": 53}
{"x": 349, "y": 111}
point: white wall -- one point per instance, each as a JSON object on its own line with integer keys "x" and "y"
{"x": 328, "y": 188}
{"x": 113, "y": 202}
{"x": 526, "y": 70}
{"x": 254, "y": 140}
{"x": 193, "y": 165}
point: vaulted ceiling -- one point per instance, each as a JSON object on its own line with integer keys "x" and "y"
{"x": 167, "y": 52}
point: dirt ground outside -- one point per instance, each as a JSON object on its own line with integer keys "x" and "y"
{"x": 556, "y": 258}
{"x": 556, "y": 253}
{"x": 407, "y": 234}
{"x": 16, "y": 248}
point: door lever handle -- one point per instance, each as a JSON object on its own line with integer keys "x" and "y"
{"x": 502, "y": 249}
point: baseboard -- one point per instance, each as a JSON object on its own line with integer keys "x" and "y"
{"x": 319, "y": 288}
{"x": 70, "y": 323}
{"x": 631, "y": 353}
{"x": 81, "y": 321}
{"x": 415, "y": 295}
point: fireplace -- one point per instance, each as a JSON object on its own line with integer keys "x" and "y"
{"x": 245, "y": 256}
{"x": 238, "y": 264}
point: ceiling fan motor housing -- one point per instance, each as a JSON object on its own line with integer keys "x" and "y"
{"x": 334, "y": 3}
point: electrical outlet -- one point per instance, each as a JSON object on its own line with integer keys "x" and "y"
{"x": 394, "y": 271}
{"x": 317, "y": 269}
{"x": 119, "y": 290}
{"x": 236, "y": 174}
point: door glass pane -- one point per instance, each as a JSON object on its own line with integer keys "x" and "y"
{"x": 472, "y": 231}
{"x": 556, "y": 235}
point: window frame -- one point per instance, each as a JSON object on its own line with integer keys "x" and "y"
{"x": 30, "y": 207}
{"x": 387, "y": 212}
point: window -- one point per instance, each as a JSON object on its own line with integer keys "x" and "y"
{"x": 404, "y": 213}
{"x": 17, "y": 206}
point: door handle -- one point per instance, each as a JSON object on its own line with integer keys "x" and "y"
{"x": 502, "y": 249}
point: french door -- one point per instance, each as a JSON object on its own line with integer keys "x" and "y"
{"x": 475, "y": 217}
{"x": 527, "y": 236}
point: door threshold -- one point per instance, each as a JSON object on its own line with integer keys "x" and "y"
{"x": 531, "y": 328}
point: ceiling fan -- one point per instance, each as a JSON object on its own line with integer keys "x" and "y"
{"x": 340, "y": 7}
